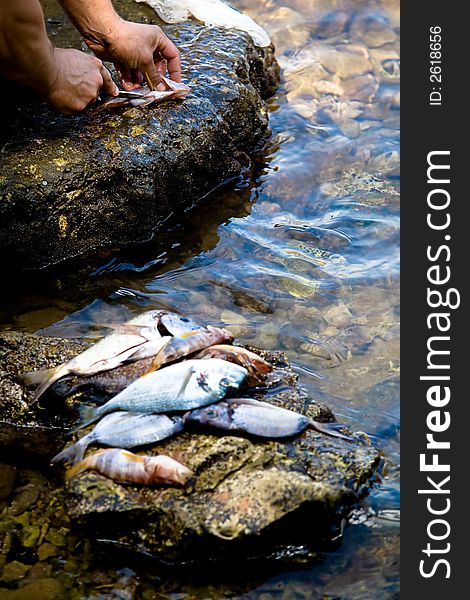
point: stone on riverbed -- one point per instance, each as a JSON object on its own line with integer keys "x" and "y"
{"x": 72, "y": 186}
{"x": 250, "y": 496}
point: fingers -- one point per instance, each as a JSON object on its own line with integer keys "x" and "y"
{"x": 108, "y": 84}
{"x": 169, "y": 52}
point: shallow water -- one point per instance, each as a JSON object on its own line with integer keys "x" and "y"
{"x": 300, "y": 254}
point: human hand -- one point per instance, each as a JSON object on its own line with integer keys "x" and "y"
{"x": 137, "y": 49}
{"x": 77, "y": 80}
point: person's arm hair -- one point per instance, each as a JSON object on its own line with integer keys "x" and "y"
{"x": 95, "y": 19}
{"x": 26, "y": 54}
{"x": 67, "y": 78}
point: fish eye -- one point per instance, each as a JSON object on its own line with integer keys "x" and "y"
{"x": 224, "y": 382}
{"x": 211, "y": 413}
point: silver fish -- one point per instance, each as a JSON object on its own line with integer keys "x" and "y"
{"x": 138, "y": 338}
{"x": 182, "y": 386}
{"x": 123, "y": 429}
{"x": 258, "y": 418}
{"x": 121, "y": 465}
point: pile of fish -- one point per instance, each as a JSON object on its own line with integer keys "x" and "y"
{"x": 165, "y": 372}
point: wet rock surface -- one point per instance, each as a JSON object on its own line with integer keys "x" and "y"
{"x": 250, "y": 497}
{"x": 71, "y": 186}
{"x": 31, "y": 431}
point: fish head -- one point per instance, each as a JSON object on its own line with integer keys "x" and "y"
{"x": 219, "y": 376}
{"x": 151, "y": 318}
{"x": 164, "y": 469}
{"x": 215, "y": 415}
{"x": 224, "y": 335}
{"x": 178, "y": 325}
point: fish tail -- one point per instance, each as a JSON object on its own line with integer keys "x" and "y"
{"x": 42, "y": 379}
{"x": 76, "y": 469}
{"x": 331, "y": 429}
{"x": 88, "y": 415}
{"x": 73, "y": 453}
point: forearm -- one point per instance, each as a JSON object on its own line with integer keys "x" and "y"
{"x": 96, "y": 20}
{"x": 26, "y": 54}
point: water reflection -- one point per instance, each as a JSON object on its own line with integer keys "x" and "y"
{"x": 299, "y": 254}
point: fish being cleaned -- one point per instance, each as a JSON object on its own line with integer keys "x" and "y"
{"x": 210, "y": 12}
{"x": 190, "y": 342}
{"x": 144, "y": 95}
{"x": 256, "y": 366}
{"x": 124, "y": 466}
{"x": 135, "y": 339}
{"x": 125, "y": 430}
{"x": 246, "y": 415}
{"x": 179, "y": 387}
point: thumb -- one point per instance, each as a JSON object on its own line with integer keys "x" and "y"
{"x": 108, "y": 84}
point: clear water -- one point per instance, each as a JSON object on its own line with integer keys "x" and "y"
{"x": 301, "y": 253}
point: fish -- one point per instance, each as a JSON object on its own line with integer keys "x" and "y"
{"x": 179, "y": 387}
{"x": 144, "y": 95}
{"x": 256, "y": 366}
{"x": 124, "y": 466}
{"x": 108, "y": 383}
{"x": 212, "y": 13}
{"x": 123, "y": 429}
{"x": 135, "y": 339}
{"x": 112, "y": 382}
{"x": 247, "y": 415}
{"x": 178, "y": 325}
{"x": 190, "y": 342}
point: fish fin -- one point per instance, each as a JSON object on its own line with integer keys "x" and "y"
{"x": 185, "y": 416}
{"x": 73, "y": 453}
{"x": 262, "y": 366}
{"x": 76, "y": 469}
{"x": 250, "y": 402}
{"x": 88, "y": 415}
{"x": 156, "y": 363}
{"x": 43, "y": 379}
{"x": 186, "y": 380}
{"x": 130, "y": 456}
{"x": 331, "y": 429}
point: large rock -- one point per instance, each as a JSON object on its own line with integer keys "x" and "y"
{"x": 72, "y": 185}
{"x": 250, "y": 497}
